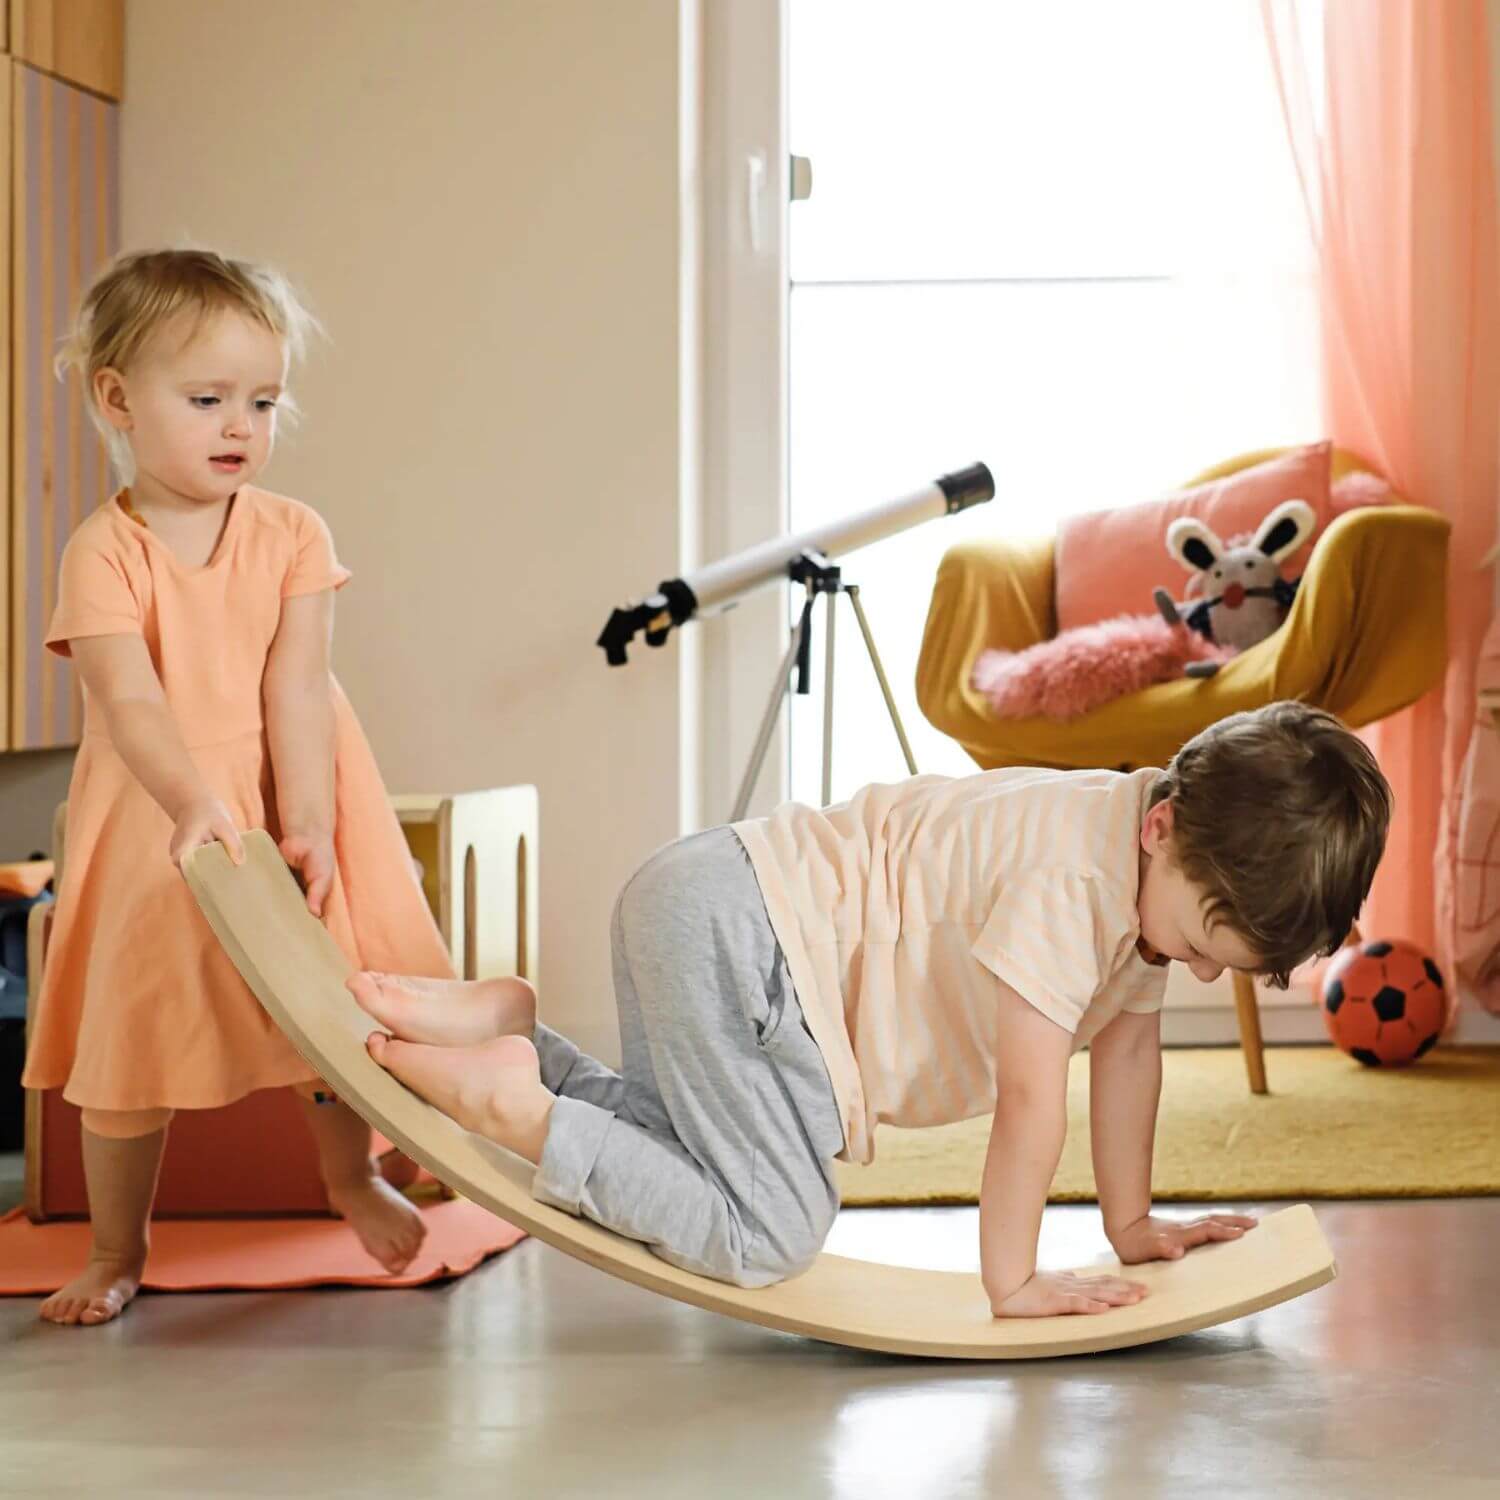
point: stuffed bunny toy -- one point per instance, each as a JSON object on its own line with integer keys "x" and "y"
{"x": 1244, "y": 597}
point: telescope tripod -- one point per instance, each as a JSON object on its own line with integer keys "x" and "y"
{"x": 819, "y": 577}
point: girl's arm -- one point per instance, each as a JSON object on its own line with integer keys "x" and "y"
{"x": 299, "y": 729}
{"x": 123, "y": 685}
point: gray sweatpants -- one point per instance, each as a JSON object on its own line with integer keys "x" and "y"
{"x": 714, "y": 1142}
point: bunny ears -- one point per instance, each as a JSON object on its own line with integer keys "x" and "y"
{"x": 1282, "y": 532}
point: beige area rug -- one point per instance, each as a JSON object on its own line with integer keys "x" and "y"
{"x": 1330, "y": 1128}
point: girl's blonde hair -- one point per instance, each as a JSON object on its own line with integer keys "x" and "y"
{"x": 142, "y": 291}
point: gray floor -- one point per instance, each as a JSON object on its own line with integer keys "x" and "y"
{"x": 536, "y": 1377}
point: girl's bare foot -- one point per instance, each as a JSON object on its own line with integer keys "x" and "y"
{"x": 389, "y": 1227}
{"x": 447, "y": 1012}
{"x": 121, "y": 1175}
{"x": 98, "y": 1294}
{"x": 494, "y": 1089}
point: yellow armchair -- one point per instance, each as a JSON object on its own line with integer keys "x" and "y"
{"x": 1366, "y": 636}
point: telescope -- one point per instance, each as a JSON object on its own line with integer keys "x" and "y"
{"x": 805, "y": 559}
{"x": 723, "y": 584}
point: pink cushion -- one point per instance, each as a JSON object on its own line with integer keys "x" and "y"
{"x": 1107, "y": 562}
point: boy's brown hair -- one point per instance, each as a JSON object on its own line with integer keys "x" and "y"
{"x": 1280, "y": 815}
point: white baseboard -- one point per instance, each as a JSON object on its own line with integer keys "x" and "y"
{"x": 1288, "y": 1017}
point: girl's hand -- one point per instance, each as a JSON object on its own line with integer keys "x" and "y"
{"x": 1170, "y": 1239}
{"x": 202, "y": 822}
{"x": 311, "y": 856}
{"x": 1049, "y": 1294}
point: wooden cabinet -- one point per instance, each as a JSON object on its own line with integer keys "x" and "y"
{"x": 79, "y": 41}
{"x": 59, "y": 224}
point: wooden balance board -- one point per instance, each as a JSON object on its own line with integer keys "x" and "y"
{"x": 297, "y": 972}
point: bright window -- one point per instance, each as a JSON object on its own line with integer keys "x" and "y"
{"x": 1065, "y": 239}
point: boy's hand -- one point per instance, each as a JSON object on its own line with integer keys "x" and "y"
{"x": 203, "y": 822}
{"x": 1048, "y": 1294}
{"x": 311, "y": 856}
{"x": 1151, "y": 1238}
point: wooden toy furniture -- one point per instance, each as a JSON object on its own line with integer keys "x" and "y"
{"x": 478, "y": 852}
{"x": 298, "y": 972}
{"x": 1366, "y": 636}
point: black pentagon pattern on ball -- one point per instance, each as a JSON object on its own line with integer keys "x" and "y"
{"x": 1333, "y": 996}
{"x": 1364, "y": 1055}
{"x": 1434, "y": 973}
{"x": 1376, "y": 950}
{"x": 1427, "y": 1044}
{"x": 1390, "y": 1003}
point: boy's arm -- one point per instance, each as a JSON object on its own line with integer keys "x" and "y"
{"x": 299, "y": 731}
{"x": 122, "y": 683}
{"x": 1124, "y": 1090}
{"x": 1026, "y": 1140}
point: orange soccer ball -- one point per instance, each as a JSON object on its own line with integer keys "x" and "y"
{"x": 1384, "y": 1003}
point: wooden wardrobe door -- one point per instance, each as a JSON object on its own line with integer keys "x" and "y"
{"x": 65, "y": 224}
{"x": 79, "y": 41}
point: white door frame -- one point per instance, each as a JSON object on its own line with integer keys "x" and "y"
{"x": 735, "y": 198}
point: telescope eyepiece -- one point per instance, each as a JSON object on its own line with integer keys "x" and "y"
{"x": 672, "y": 604}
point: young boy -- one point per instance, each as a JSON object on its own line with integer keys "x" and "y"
{"x": 922, "y": 953}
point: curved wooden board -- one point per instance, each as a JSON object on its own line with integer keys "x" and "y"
{"x": 298, "y": 972}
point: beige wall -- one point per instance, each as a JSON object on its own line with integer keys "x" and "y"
{"x": 481, "y": 201}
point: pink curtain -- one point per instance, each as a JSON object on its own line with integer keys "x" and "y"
{"x": 1388, "y": 107}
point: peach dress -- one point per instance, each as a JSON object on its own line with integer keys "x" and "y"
{"x": 139, "y": 1007}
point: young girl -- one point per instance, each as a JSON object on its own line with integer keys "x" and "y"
{"x": 198, "y": 611}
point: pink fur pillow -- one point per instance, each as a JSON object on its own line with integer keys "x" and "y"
{"x": 1090, "y": 666}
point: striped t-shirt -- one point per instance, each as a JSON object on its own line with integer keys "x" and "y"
{"x": 898, "y": 909}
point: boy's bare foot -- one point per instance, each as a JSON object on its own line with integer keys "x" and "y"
{"x": 389, "y": 1227}
{"x": 98, "y": 1294}
{"x": 494, "y": 1089}
{"x": 447, "y": 1012}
